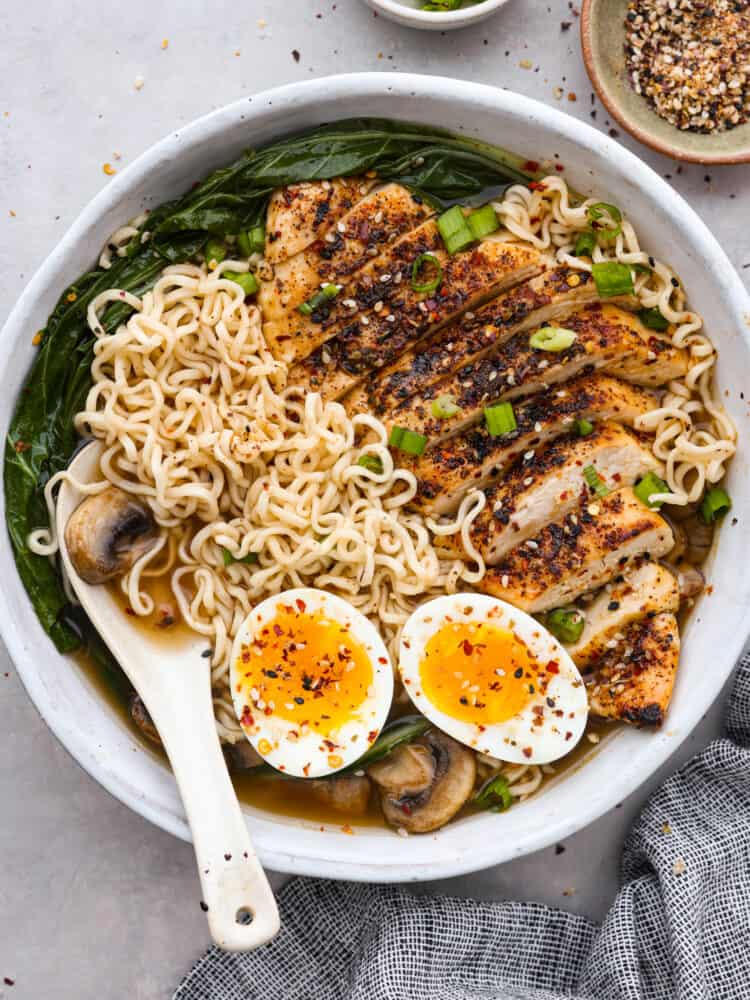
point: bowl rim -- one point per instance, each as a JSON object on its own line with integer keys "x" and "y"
{"x": 413, "y": 17}
{"x": 328, "y": 862}
{"x": 639, "y": 133}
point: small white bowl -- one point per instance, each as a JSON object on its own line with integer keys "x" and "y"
{"x": 408, "y": 13}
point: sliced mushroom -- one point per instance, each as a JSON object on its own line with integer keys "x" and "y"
{"x": 700, "y": 538}
{"x": 242, "y": 756}
{"x": 139, "y": 715}
{"x": 348, "y": 794}
{"x": 107, "y": 533}
{"x": 690, "y": 581}
{"x": 423, "y": 784}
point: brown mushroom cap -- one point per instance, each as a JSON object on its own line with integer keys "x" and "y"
{"x": 107, "y": 533}
{"x": 347, "y": 794}
{"x": 140, "y": 716}
{"x": 242, "y": 755}
{"x": 425, "y": 783}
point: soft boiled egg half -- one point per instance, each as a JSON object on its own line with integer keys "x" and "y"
{"x": 493, "y": 678}
{"x": 312, "y": 682}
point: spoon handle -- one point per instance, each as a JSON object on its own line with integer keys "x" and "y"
{"x": 239, "y": 903}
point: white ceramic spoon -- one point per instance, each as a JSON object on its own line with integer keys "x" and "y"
{"x": 174, "y": 682}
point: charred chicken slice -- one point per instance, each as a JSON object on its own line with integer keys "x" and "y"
{"x": 474, "y": 459}
{"x": 550, "y": 483}
{"x": 300, "y": 213}
{"x": 605, "y": 338}
{"x": 349, "y": 243}
{"x": 579, "y": 553}
{"x": 646, "y": 589}
{"x": 400, "y": 316}
{"x": 633, "y": 681}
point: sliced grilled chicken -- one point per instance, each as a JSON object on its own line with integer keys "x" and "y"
{"x": 548, "y": 297}
{"x": 579, "y": 553}
{"x": 300, "y": 213}
{"x": 606, "y": 338}
{"x": 633, "y": 681}
{"x": 647, "y": 589}
{"x": 551, "y": 483}
{"x": 349, "y": 243}
{"x": 473, "y": 459}
{"x": 402, "y": 317}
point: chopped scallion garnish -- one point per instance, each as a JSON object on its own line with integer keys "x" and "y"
{"x": 325, "y": 294}
{"x": 585, "y": 243}
{"x": 500, "y": 419}
{"x": 483, "y": 222}
{"x": 428, "y": 263}
{"x": 552, "y": 338}
{"x": 455, "y": 230}
{"x": 610, "y": 228}
{"x": 595, "y": 481}
{"x": 566, "y": 624}
{"x": 653, "y": 319}
{"x": 715, "y": 504}
{"x": 247, "y": 281}
{"x": 214, "y": 252}
{"x": 584, "y": 428}
{"x": 445, "y": 406}
{"x": 648, "y": 487}
{"x": 494, "y": 795}
{"x": 252, "y": 241}
{"x": 408, "y": 441}
{"x": 229, "y": 559}
{"x": 612, "y": 278}
{"x": 371, "y": 462}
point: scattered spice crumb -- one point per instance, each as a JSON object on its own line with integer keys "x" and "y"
{"x": 570, "y": 891}
{"x": 138, "y": 83}
{"x": 262, "y": 23}
{"x": 525, "y": 64}
{"x": 666, "y": 828}
{"x": 679, "y": 867}
{"x": 347, "y": 829}
{"x": 8, "y": 981}
{"x": 204, "y": 906}
{"x": 37, "y": 338}
{"x": 559, "y": 849}
{"x": 12, "y": 213}
{"x": 557, "y": 93}
{"x": 108, "y": 169}
{"x": 165, "y": 43}
{"x": 237, "y": 52}
{"x": 295, "y": 55}
{"x": 565, "y": 25}
{"x": 572, "y": 96}
{"x": 117, "y": 156}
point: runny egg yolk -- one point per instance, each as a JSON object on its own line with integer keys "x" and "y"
{"x": 305, "y": 668}
{"x": 478, "y": 672}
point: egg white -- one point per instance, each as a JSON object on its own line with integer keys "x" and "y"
{"x": 306, "y": 755}
{"x": 523, "y": 739}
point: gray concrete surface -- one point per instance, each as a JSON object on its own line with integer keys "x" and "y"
{"x": 95, "y": 902}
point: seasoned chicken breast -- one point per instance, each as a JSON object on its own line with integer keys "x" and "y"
{"x": 550, "y": 483}
{"x": 633, "y": 681}
{"x": 549, "y": 297}
{"x": 300, "y": 213}
{"x": 646, "y": 589}
{"x": 474, "y": 459}
{"x": 347, "y": 245}
{"x": 606, "y": 338}
{"x": 398, "y": 316}
{"x": 579, "y": 553}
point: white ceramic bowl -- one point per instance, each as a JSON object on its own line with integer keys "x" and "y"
{"x": 408, "y": 13}
{"x": 713, "y": 639}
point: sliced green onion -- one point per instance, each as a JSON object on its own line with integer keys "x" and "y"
{"x": 585, "y": 243}
{"x": 715, "y": 504}
{"x": 595, "y": 481}
{"x": 483, "y": 222}
{"x": 252, "y": 241}
{"x": 371, "y": 462}
{"x": 229, "y": 559}
{"x": 640, "y": 268}
{"x": 584, "y": 428}
{"x": 612, "y": 278}
{"x": 455, "y": 230}
{"x": 445, "y": 406}
{"x": 430, "y": 261}
{"x": 566, "y": 624}
{"x": 494, "y": 795}
{"x": 653, "y": 319}
{"x": 552, "y": 338}
{"x": 323, "y": 295}
{"x": 247, "y": 281}
{"x": 214, "y": 252}
{"x": 408, "y": 441}
{"x": 500, "y": 419}
{"x": 442, "y": 5}
{"x": 646, "y": 488}
{"x": 605, "y": 232}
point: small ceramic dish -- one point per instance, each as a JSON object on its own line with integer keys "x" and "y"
{"x": 603, "y": 40}
{"x": 408, "y": 13}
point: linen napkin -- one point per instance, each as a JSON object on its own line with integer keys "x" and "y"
{"x": 679, "y": 926}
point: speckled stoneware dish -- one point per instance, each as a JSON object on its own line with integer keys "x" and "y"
{"x": 603, "y": 39}
{"x": 410, "y": 14}
{"x": 714, "y": 633}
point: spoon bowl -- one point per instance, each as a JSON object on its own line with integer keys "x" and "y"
{"x": 174, "y": 682}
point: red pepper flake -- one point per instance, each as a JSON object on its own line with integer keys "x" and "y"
{"x": 372, "y": 736}
{"x": 527, "y": 751}
{"x": 568, "y": 736}
{"x": 20, "y": 446}
{"x": 531, "y": 166}
{"x": 302, "y": 607}
{"x": 278, "y": 630}
{"x": 129, "y": 611}
{"x": 306, "y": 772}
{"x": 467, "y": 647}
{"x": 382, "y": 659}
{"x": 406, "y": 808}
{"x": 558, "y": 166}
{"x": 347, "y": 829}
{"x": 553, "y": 667}
{"x": 247, "y": 719}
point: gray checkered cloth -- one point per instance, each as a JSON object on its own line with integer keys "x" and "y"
{"x": 679, "y": 927}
